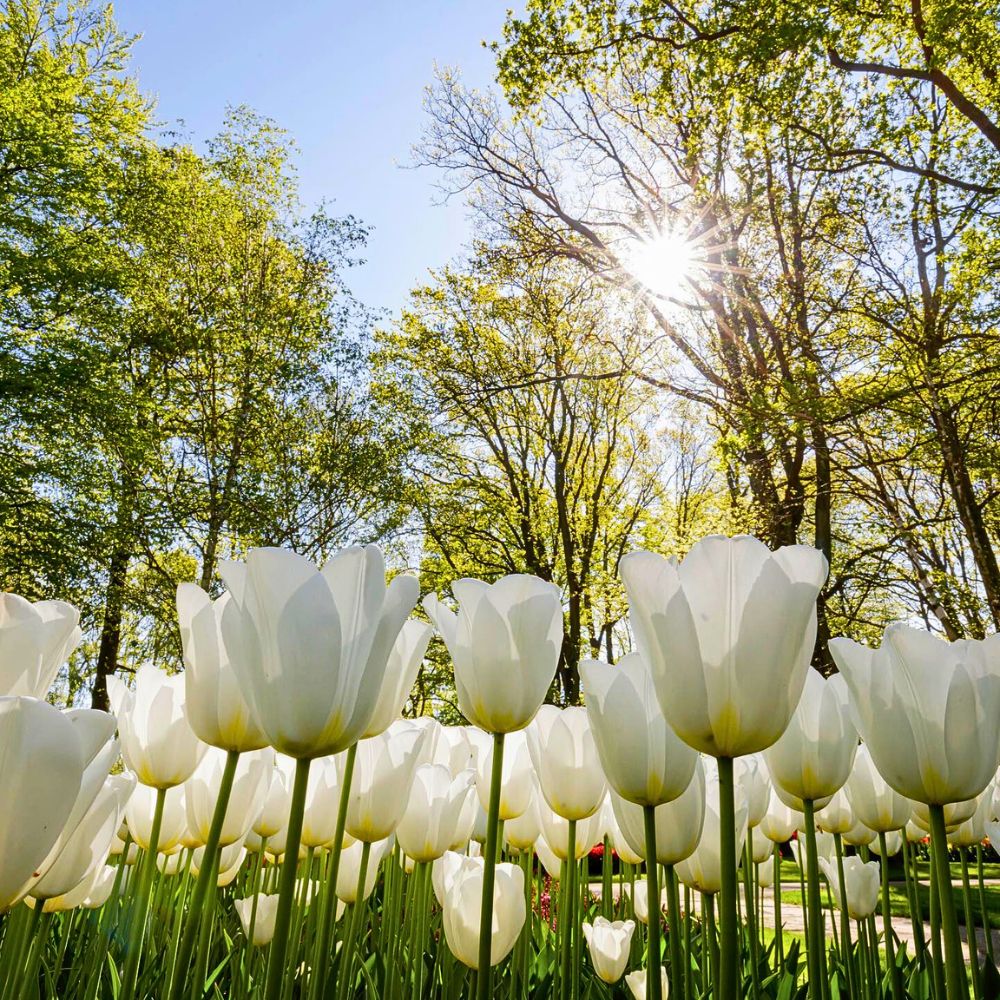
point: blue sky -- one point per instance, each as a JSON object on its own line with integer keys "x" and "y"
{"x": 346, "y": 79}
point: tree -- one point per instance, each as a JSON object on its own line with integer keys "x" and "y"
{"x": 526, "y": 468}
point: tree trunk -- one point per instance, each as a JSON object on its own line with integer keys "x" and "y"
{"x": 111, "y": 627}
{"x": 969, "y": 512}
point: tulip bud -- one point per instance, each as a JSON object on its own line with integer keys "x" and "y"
{"x": 608, "y": 943}
{"x": 862, "y": 882}
{"x": 35, "y": 640}
{"x": 926, "y": 710}
{"x": 636, "y": 982}
{"x": 431, "y": 822}
{"x": 812, "y": 759}
{"x": 728, "y": 634}
{"x": 505, "y": 643}
{"x": 158, "y": 744}
{"x": 263, "y": 927}
{"x": 564, "y": 755}
{"x": 311, "y": 647}
{"x": 461, "y": 905}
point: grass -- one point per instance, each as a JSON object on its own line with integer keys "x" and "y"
{"x": 900, "y": 905}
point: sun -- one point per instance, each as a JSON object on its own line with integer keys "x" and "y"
{"x": 664, "y": 263}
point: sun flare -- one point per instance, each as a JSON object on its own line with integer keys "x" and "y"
{"x": 663, "y": 264}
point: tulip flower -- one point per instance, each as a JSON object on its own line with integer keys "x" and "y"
{"x": 322, "y": 801}
{"x": 158, "y": 743}
{"x": 678, "y": 823}
{"x": 752, "y": 775}
{"x": 505, "y": 643}
{"x": 763, "y": 850}
{"x": 643, "y": 758}
{"x": 808, "y": 764}
{"x": 361, "y": 858}
{"x": 35, "y": 640}
{"x": 564, "y": 755}
{"x": 859, "y": 835}
{"x": 91, "y": 894}
{"x": 43, "y": 766}
{"x": 261, "y": 910}
{"x": 640, "y": 901}
{"x": 214, "y": 701}
{"x": 973, "y": 831}
{"x": 812, "y": 759}
{"x": 253, "y": 772}
{"x": 382, "y": 780}
{"x": 521, "y": 832}
{"x": 636, "y": 982}
{"x": 728, "y": 634}
{"x": 461, "y": 909}
{"x": 311, "y": 650}
{"x": 517, "y": 777}
{"x": 780, "y": 821}
{"x": 556, "y": 831}
{"x": 86, "y": 847}
{"x": 140, "y": 815}
{"x": 609, "y": 943}
{"x": 926, "y": 710}
{"x": 311, "y": 647}
{"x": 862, "y": 883}
{"x": 702, "y": 869}
{"x": 874, "y": 802}
{"x": 613, "y": 831}
{"x": 273, "y": 813}
{"x": 836, "y": 816}
{"x": 95, "y": 731}
{"x": 894, "y": 843}
{"x": 230, "y": 858}
{"x": 430, "y": 824}
{"x": 401, "y": 671}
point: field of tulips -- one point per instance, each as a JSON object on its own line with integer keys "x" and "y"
{"x": 265, "y": 825}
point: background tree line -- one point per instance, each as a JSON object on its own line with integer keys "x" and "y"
{"x": 184, "y": 373}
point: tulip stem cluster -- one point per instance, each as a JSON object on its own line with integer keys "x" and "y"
{"x": 205, "y": 880}
{"x": 956, "y": 983}
{"x": 286, "y": 887}
{"x": 137, "y": 928}
{"x": 489, "y": 871}
{"x": 729, "y": 947}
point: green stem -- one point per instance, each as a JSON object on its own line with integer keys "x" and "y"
{"x": 816, "y": 947}
{"x": 779, "y": 931}
{"x": 653, "y": 985}
{"x": 727, "y": 983}
{"x": 286, "y": 886}
{"x": 845, "y": 920}
{"x": 937, "y": 954}
{"x": 983, "y": 908}
{"x": 346, "y": 977}
{"x": 567, "y": 919}
{"x": 329, "y": 902}
{"x": 895, "y": 975}
{"x": 674, "y": 934}
{"x": 970, "y": 926}
{"x": 956, "y": 983}
{"x": 485, "y": 972}
{"x": 751, "y": 916}
{"x": 196, "y": 912}
{"x": 912, "y": 898}
{"x": 137, "y": 931}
